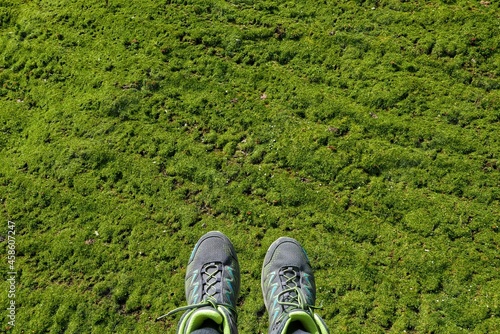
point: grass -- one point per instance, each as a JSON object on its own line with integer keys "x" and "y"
{"x": 368, "y": 130}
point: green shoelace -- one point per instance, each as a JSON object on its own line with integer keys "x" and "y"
{"x": 210, "y": 301}
{"x": 292, "y": 297}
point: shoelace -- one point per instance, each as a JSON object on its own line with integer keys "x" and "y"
{"x": 292, "y": 297}
{"x": 210, "y": 301}
{"x": 211, "y": 278}
{"x": 298, "y": 301}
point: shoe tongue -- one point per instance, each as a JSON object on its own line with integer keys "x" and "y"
{"x": 199, "y": 316}
{"x": 305, "y": 319}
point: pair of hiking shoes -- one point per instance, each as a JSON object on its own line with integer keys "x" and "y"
{"x": 213, "y": 281}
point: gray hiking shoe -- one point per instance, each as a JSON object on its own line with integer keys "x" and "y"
{"x": 212, "y": 286}
{"x": 289, "y": 289}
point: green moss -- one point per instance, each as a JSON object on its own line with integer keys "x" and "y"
{"x": 365, "y": 129}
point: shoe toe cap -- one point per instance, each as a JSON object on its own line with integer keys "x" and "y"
{"x": 287, "y": 252}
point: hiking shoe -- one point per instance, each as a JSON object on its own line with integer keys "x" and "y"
{"x": 212, "y": 286}
{"x": 289, "y": 289}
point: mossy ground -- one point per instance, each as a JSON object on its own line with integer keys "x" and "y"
{"x": 368, "y": 130}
